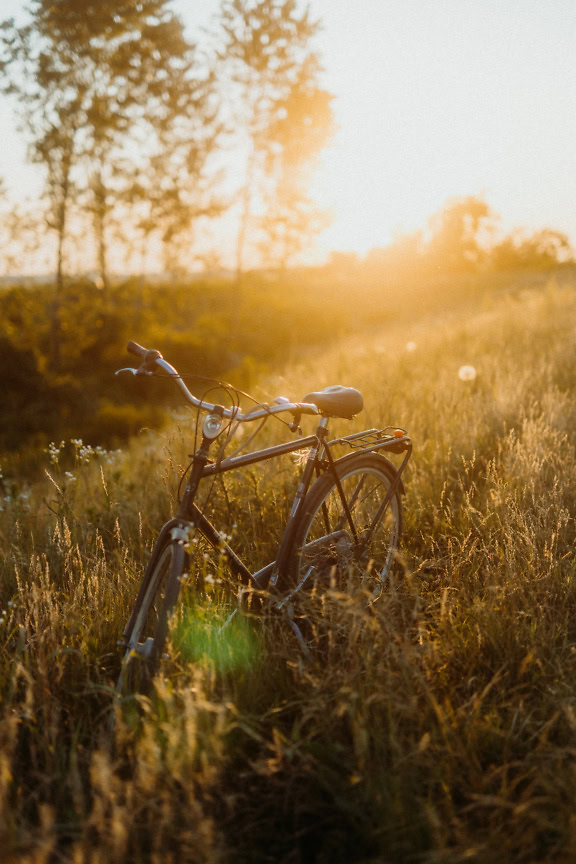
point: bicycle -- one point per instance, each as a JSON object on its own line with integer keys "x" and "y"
{"x": 343, "y": 528}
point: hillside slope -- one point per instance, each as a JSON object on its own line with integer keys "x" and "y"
{"x": 438, "y": 727}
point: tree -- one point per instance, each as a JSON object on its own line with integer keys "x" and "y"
{"x": 154, "y": 99}
{"x": 103, "y": 85}
{"x": 177, "y": 189}
{"x": 541, "y": 250}
{"x": 43, "y": 77}
{"x": 266, "y": 44}
{"x": 288, "y": 224}
{"x": 458, "y": 234}
{"x": 298, "y": 132}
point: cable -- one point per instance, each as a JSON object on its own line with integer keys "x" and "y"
{"x": 225, "y": 386}
{"x": 233, "y": 394}
{"x": 235, "y": 403}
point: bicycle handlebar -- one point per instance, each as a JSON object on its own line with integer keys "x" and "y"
{"x": 153, "y": 358}
{"x": 135, "y": 348}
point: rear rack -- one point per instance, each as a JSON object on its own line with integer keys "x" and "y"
{"x": 376, "y": 439}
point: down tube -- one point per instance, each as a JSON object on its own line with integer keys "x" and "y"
{"x": 216, "y": 541}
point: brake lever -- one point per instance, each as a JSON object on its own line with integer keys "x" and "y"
{"x": 295, "y": 426}
{"x": 139, "y": 371}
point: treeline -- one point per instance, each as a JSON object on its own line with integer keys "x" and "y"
{"x": 462, "y": 238}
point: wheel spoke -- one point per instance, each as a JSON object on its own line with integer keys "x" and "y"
{"x": 351, "y": 503}
{"x": 365, "y": 486}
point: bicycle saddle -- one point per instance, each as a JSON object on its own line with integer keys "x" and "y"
{"x": 337, "y": 401}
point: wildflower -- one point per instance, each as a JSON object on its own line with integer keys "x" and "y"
{"x": 53, "y": 451}
{"x": 411, "y": 346}
{"x": 70, "y": 478}
{"x": 467, "y": 373}
{"x": 84, "y": 453}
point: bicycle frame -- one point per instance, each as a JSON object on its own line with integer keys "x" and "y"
{"x": 319, "y": 458}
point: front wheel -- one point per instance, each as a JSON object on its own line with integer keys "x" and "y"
{"x": 350, "y": 530}
{"x": 146, "y": 640}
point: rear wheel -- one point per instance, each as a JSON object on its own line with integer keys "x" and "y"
{"x": 350, "y": 531}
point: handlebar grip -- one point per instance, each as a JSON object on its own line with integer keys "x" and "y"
{"x": 137, "y": 350}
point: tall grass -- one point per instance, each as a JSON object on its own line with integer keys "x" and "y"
{"x": 438, "y": 726}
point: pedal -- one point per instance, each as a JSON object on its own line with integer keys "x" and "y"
{"x": 144, "y": 649}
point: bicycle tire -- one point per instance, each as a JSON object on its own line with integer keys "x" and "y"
{"x": 326, "y": 554}
{"x": 147, "y": 638}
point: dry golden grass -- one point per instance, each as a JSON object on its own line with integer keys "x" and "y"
{"x": 438, "y": 727}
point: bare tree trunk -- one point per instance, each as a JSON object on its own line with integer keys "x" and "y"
{"x": 61, "y": 187}
{"x": 55, "y": 321}
{"x": 100, "y": 214}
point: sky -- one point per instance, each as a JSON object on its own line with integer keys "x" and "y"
{"x": 433, "y": 99}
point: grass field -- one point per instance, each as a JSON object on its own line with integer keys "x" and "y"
{"x": 439, "y": 727}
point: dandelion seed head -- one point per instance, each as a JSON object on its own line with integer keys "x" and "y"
{"x": 467, "y": 373}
